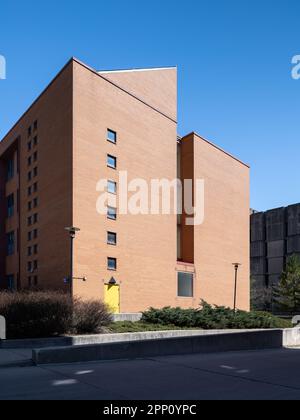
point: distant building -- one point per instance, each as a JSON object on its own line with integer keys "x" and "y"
{"x": 275, "y": 235}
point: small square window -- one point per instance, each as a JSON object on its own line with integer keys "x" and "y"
{"x": 112, "y": 213}
{"x": 185, "y": 285}
{"x": 112, "y": 136}
{"x": 111, "y": 238}
{"x": 111, "y": 161}
{"x": 111, "y": 263}
{"x": 112, "y": 187}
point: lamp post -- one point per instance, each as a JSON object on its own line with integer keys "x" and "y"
{"x": 72, "y": 232}
{"x": 236, "y": 269}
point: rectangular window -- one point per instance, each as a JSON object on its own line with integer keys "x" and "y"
{"x": 29, "y": 146}
{"x": 29, "y": 176}
{"x": 112, "y": 213}
{"x": 29, "y": 161}
{"x": 35, "y": 233}
{"x": 35, "y": 202}
{"x": 185, "y": 285}
{"x": 35, "y": 249}
{"x": 35, "y": 141}
{"x": 35, "y": 187}
{"x": 35, "y": 125}
{"x": 35, "y": 279}
{"x": 112, "y": 187}
{"x": 35, "y": 156}
{"x": 111, "y": 161}
{"x": 29, "y": 205}
{"x": 10, "y": 237}
{"x": 29, "y": 236}
{"x": 112, "y": 136}
{"x": 29, "y": 221}
{"x": 29, "y": 251}
{"x": 111, "y": 238}
{"x": 29, "y": 191}
{"x": 111, "y": 264}
{"x": 10, "y": 169}
{"x": 35, "y": 265}
{"x": 29, "y": 131}
{"x": 10, "y": 205}
{"x": 35, "y": 218}
{"x": 10, "y": 281}
{"x": 35, "y": 171}
{"x": 29, "y": 267}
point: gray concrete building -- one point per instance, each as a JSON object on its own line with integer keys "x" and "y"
{"x": 275, "y": 235}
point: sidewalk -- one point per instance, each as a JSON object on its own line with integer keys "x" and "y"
{"x": 15, "y": 358}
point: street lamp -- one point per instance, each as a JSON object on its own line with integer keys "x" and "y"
{"x": 236, "y": 269}
{"x": 72, "y": 232}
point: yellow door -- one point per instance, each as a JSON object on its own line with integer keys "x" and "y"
{"x": 112, "y": 297}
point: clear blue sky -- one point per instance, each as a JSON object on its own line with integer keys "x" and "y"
{"x": 234, "y": 61}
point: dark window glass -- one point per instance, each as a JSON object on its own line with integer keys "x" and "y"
{"x": 111, "y": 263}
{"x": 10, "y": 169}
{"x": 112, "y": 187}
{"x": 185, "y": 285}
{"x": 112, "y": 213}
{"x": 111, "y": 238}
{"x": 10, "y": 237}
{"x": 111, "y": 161}
{"x": 10, "y": 281}
{"x": 112, "y": 136}
{"x": 10, "y": 205}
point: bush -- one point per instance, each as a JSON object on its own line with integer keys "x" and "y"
{"x": 90, "y": 317}
{"x": 213, "y": 317}
{"x": 49, "y": 314}
{"x": 36, "y": 314}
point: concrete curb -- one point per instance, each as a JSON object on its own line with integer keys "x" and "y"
{"x": 211, "y": 343}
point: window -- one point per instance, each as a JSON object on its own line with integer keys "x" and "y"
{"x": 111, "y": 161}
{"x": 35, "y": 171}
{"x": 29, "y": 281}
{"x": 35, "y": 187}
{"x": 35, "y": 141}
{"x": 29, "y": 146}
{"x": 112, "y": 187}
{"x": 35, "y": 203}
{"x": 35, "y": 249}
{"x": 35, "y": 233}
{"x": 111, "y": 263}
{"x": 29, "y": 205}
{"x": 29, "y": 191}
{"x": 29, "y": 176}
{"x": 35, "y": 218}
{"x": 10, "y": 243}
{"x": 112, "y": 136}
{"x": 35, "y": 156}
{"x": 29, "y": 251}
{"x": 10, "y": 169}
{"x": 35, "y": 125}
{"x": 185, "y": 285}
{"x": 10, "y": 281}
{"x": 35, "y": 265}
{"x": 29, "y": 236}
{"x": 10, "y": 205}
{"x": 29, "y": 131}
{"x": 29, "y": 161}
{"x": 29, "y": 267}
{"x": 111, "y": 238}
{"x": 112, "y": 213}
{"x": 35, "y": 280}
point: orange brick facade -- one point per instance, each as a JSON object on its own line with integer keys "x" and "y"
{"x": 60, "y": 148}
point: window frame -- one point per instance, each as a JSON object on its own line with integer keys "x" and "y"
{"x": 115, "y": 134}
{"x": 192, "y": 275}
{"x": 115, "y": 261}
{"x": 115, "y": 212}
{"x": 114, "y": 158}
{"x": 112, "y": 243}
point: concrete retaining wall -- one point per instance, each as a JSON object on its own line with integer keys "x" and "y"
{"x": 127, "y": 317}
{"x": 210, "y": 343}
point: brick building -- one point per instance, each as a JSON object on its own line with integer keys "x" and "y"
{"x": 89, "y": 125}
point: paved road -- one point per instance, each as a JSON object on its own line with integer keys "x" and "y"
{"x": 248, "y": 375}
